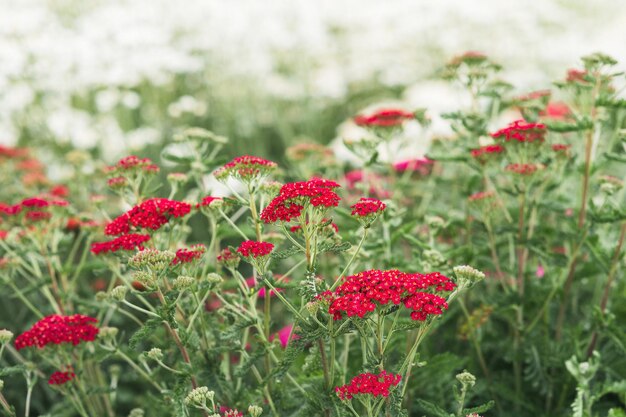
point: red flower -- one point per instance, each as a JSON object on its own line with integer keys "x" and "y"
{"x": 556, "y": 111}
{"x": 151, "y": 214}
{"x": 384, "y": 118}
{"x": 133, "y": 163}
{"x": 360, "y": 294}
{"x": 368, "y": 207}
{"x": 422, "y": 166}
{"x": 293, "y": 197}
{"x": 576, "y": 76}
{"x": 483, "y": 195}
{"x": 189, "y": 255}
{"x": 250, "y": 248}
{"x": 55, "y": 330}
{"x": 559, "y": 147}
{"x": 485, "y": 152}
{"x": 372, "y": 384}
{"x": 60, "y": 378}
{"x": 523, "y": 169}
{"x": 522, "y": 131}
{"x": 60, "y": 191}
{"x": 126, "y": 242}
{"x": 230, "y": 412}
{"x": 246, "y": 168}
{"x": 206, "y": 201}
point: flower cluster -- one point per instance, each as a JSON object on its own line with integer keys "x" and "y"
{"x": 251, "y": 248}
{"x": 360, "y": 294}
{"x": 246, "y": 168}
{"x": 189, "y": 255}
{"x": 130, "y": 241}
{"x": 60, "y": 378}
{"x": 367, "y": 207}
{"x": 482, "y": 195}
{"x": 294, "y": 197}
{"x": 151, "y": 214}
{"x": 523, "y": 169}
{"x": 55, "y": 330}
{"x": 384, "y": 118}
{"x": 208, "y": 201}
{"x": 228, "y": 258}
{"x": 33, "y": 207}
{"x": 422, "y": 166}
{"x": 368, "y": 383}
{"x": 522, "y": 131}
{"x": 230, "y": 412}
{"x": 484, "y": 152}
{"x": 132, "y": 163}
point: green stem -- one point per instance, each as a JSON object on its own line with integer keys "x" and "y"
{"x": 345, "y": 270}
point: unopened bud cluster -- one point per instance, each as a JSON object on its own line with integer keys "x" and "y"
{"x": 152, "y": 259}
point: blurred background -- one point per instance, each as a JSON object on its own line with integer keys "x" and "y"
{"x": 116, "y": 76}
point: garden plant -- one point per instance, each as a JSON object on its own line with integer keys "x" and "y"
{"x": 484, "y": 279}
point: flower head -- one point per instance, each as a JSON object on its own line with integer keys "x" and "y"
{"x": 189, "y": 255}
{"x": 362, "y": 293}
{"x": 422, "y": 166}
{"x": 253, "y": 249}
{"x": 56, "y": 329}
{"x": 60, "y": 378}
{"x": 132, "y": 164}
{"x": 228, "y": 258}
{"x": 484, "y": 153}
{"x": 294, "y": 197}
{"x": 367, "y": 210}
{"x": 522, "y": 131}
{"x": 384, "y": 118}
{"x": 151, "y": 214}
{"x": 368, "y": 384}
{"x": 130, "y": 241}
{"x": 246, "y": 168}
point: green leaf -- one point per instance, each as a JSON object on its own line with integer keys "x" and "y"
{"x": 479, "y": 409}
{"x": 433, "y": 409}
{"x": 284, "y": 254}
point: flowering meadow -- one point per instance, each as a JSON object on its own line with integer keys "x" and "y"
{"x": 483, "y": 277}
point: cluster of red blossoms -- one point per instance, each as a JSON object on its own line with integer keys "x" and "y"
{"x": 60, "y": 378}
{"x": 372, "y": 384}
{"x": 482, "y": 195}
{"x": 130, "y": 241}
{"x": 422, "y": 166}
{"x": 151, "y": 214}
{"x": 360, "y": 294}
{"x": 294, "y": 196}
{"x": 367, "y": 207}
{"x": 33, "y": 207}
{"x": 206, "y": 201}
{"x": 185, "y": 256}
{"x": 251, "y": 248}
{"x": 384, "y": 118}
{"x": 55, "y": 330}
{"x": 523, "y": 169}
{"x": 486, "y": 151}
{"x": 230, "y": 412}
{"x": 132, "y": 163}
{"x": 522, "y": 131}
{"x": 246, "y": 168}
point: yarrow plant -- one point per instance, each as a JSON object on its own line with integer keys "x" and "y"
{"x": 487, "y": 267}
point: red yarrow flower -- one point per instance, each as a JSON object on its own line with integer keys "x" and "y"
{"x": 362, "y": 293}
{"x": 151, "y": 214}
{"x": 523, "y": 169}
{"x": 60, "y": 378}
{"x": 246, "y": 168}
{"x": 522, "y": 131}
{"x": 368, "y": 207}
{"x": 384, "y": 118}
{"x": 368, "y": 384}
{"x": 294, "y": 197}
{"x": 56, "y": 330}
{"x": 422, "y": 166}
{"x": 184, "y": 256}
{"x": 482, "y": 195}
{"x": 133, "y": 163}
{"x": 556, "y": 111}
{"x": 485, "y": 152}
{"x": 251, "y": 248}
{"x": 130, "y": 241}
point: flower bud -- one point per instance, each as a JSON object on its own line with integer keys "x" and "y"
{"x": 183, "y": 282}
{"x": 152, "y": 259}
{"x": 466, "y": 272}
{"x": 108, "y": 333}
{"x": 255, "y": 410}
{"x": 468, "y": 380}
{"x": 214, "y": 278}
{"x": 312, "y": 307}
{"x": 177, "y": 178}
{"x": 101, "y": 296}
{"x": 5, "y": 336}
{"x": 433, "y": 257}
{"x": 136, "y": 412}
{"x": 145, "y": 278}
{"x": 118, "y": 293}
{"x": 435, "y": 223}
{"x": 198, "y": 397}
{"x": 155, "y": 354}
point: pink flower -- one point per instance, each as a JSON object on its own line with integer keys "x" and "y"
{"x": 540, "y": 271}
{"x": 419, "y": 165}
{"x": 284, "y": 335}
{"x": 556, "y": 111}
